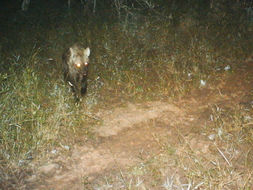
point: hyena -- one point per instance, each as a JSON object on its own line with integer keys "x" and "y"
{"x": 75, "y": 67}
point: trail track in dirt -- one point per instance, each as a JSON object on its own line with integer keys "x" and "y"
{"x": 133, "y": 133}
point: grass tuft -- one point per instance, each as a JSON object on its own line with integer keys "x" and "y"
{"x": 148, "y": 51}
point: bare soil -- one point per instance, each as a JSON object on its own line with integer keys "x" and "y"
{"x": 135, "y": 133}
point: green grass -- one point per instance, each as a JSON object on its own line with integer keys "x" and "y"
{"x": 38, "y": 114}
{"x": 135, "y": 58}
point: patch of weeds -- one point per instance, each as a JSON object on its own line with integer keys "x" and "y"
{"x": 233, "y": 125}
{"x": 37, "y": 112}
{"x": 145, "y": 59}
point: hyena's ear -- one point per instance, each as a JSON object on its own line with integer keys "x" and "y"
{"x": 72, "y": 52}
{"x": 86, "y": 52}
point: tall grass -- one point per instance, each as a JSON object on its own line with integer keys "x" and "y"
{"x": 141, "y": 55}
{"x": 36, "y": 112}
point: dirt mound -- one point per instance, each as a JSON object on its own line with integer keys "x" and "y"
{"x": 121, "y": 118}
{"x": 119, "y": 146}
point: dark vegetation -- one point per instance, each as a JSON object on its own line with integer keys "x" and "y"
{"x": 140, "y": 50}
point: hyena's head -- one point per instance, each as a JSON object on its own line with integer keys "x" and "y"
{"x": 79, "y": 58}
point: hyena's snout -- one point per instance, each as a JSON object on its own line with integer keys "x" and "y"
{"x": 75, "y": 65}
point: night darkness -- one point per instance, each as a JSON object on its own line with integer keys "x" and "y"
{"x": 127, "y": 94}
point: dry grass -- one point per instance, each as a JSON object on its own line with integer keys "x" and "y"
{"x": 138, "y": 57}
{"x": 219, "y": 157}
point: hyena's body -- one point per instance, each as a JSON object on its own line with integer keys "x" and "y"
{"x": 75, "y": 67}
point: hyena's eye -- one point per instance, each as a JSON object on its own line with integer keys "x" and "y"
{"x": 78, "y": 65}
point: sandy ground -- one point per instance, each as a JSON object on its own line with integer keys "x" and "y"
{"x": 133, "y": 133}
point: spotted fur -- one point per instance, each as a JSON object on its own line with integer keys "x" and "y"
{"x": 75, "y": 67}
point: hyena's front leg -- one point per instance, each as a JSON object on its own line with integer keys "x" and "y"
{"x": 73, "y": 87}
{"x": 84, "y": 86}
{"x": 70, "y": 81}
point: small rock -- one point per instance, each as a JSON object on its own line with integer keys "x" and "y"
{"x": 202, "y": 83}
{"x": 21, "y": 162}
{"x": 212, "y": 137}
{"x": 227, "y": 68}
{"x": 49, "y": 170}
{"x": 66, "y": 147}
{"x": 220, "y": 132}
{"x": 31, "y": 179}
{"x": 54, "y": 151}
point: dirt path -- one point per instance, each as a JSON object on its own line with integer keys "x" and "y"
{"x": 133, "y": 133}
{"x": 123, "y": 136}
